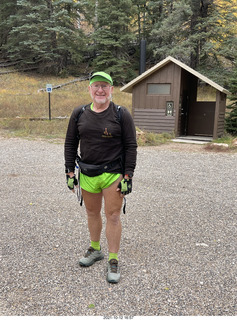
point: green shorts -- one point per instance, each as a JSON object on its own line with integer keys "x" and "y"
{"x": 98, "y": 183}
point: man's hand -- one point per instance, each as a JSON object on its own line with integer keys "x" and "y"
{"x": 125, "y": 186}
{"x": 71, "y": 181}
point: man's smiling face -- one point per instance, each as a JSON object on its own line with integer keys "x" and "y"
{"x": 100, "y": 92}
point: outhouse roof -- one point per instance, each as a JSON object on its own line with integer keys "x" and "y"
{"x": 129, "y": 86}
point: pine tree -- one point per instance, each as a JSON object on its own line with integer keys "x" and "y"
{"x": 200, "y": 33}
{"x": 69, "y": 37}
{"x": 43, "y": 33}
{"x": 231, "y": 117}
{"x": 112, "y": 38}
{"x": 170, "y": 34}
{"x": 146, "y": 15}
{"x": 49, "y": 34}
{"x": 216, "y": 36}
{"x": 27, "y": 41}
{"x": 7, "y": 8}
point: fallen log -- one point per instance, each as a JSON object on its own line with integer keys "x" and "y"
{"x": 6, "y": 64}
{"x": 18, "y": 70}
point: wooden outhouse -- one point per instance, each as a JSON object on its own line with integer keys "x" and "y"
{"x": 164, "y": 99}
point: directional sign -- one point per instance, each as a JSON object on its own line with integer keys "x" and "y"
{"x": 49, "y": 87}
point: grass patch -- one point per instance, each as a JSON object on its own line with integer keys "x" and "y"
{"x": 226, "y": 138}
{"x": 21, "y": 100}
{"x": 54, "y": 129}
{"x": 224, "y": 144}
{"x": 152, "y": 139}
{"x": 19, "y": 96}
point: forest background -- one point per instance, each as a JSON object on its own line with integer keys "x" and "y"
{"x": 75, "y": 38}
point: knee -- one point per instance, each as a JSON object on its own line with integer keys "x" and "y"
{"x": 92, "y": 214}
{"x": 114, "y": 218}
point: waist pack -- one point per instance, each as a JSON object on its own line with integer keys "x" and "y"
{"x": 92, "y": 170}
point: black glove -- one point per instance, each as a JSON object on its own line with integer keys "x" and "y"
{"x": 125, "y": 186}
{"x": 71, "y": 182}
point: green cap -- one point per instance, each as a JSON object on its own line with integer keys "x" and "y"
{"x": 101, "y": 76}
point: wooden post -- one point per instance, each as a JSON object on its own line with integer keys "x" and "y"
{"x": 49, "y": 108}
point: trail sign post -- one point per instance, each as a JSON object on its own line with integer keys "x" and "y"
{"x": 49, "y": 89}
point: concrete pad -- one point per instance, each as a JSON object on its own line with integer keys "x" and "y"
{"x": 193, "y": 139}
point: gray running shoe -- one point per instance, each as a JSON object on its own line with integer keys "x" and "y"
{"x": 91, "y": 257}
{"x": 113, "y": 274}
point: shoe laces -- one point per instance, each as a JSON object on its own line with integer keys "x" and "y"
{"x": 89, "y": 252}
{"x": 113, "y": 265}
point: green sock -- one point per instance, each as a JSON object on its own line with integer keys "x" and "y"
{"x": 113, "y": 256}
{"x": 95, "y": 245}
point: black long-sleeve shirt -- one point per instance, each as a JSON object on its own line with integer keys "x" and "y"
{"x": 103, "y": 138}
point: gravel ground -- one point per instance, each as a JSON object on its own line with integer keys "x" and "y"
{"x": 178, "y": 248}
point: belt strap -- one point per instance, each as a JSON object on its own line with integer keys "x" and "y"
{"x": 79, "y": 193}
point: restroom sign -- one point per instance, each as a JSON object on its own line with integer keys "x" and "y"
{"x": 49, "y": 88}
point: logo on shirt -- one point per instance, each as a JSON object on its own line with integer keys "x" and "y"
{"x": 107, "y": 134}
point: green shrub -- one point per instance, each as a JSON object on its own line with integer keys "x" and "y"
{"x": 231, "y": 119}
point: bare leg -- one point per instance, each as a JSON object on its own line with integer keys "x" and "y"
{"x": 113, "y": 204}
{"x": 93, "y": 203}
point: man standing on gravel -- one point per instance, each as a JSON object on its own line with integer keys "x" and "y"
{"x": 108, "y": 151}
